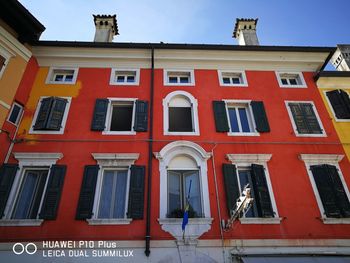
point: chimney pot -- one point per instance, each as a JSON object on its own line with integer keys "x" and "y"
{"x": 106, "y": 28}
{"x": 245, "y": 32}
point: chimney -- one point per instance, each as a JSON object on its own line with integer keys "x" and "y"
{"x": 341, "y": 58}
{"x": 106, "y": 28}
{"x": 245, "y": 32}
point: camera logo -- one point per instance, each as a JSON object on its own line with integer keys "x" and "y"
{"x": 29, "y": 248}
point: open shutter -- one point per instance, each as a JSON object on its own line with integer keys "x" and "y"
{"x": 87, "y": 192}
{"x": 231, "y": 186}
{"x": 261, "y": 191}
{"x": 340, "y": 103}
{"x": 141, "y": 116}
{"x": 44, "y": 113}
{"x": 220, "y": 116}
{"x": 325, "y": 190}
{"x": 261, "y": 121}
{"x": 136, "y": 192}
{"x": 54, "y": 121}
{"x": 53, "y": 192}
{"x": 7, "y": 175}
{"x": 99, "y": 117}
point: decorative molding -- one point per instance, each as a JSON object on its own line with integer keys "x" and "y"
{"x": 260, "y": 221}
{"x": 333, "y": 221}
{"x": 171, "y": 146}
{"x": 321, "y": 158}
{"x": 114, "y": 221}
{"x": 248, "y": 158}
{"x": 115, "y": 159}
{"x": 21, "y": 222}
{"x": 12, "y": 42}
{"x": 5, "y": 105}
{"x": 37, "y": 159}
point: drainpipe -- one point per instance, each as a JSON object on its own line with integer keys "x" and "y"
{"x": 150, "y": 155}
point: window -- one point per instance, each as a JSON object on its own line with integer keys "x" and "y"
{"x": 180, "y": 114}
{"x": 240, "y": 117}
{"x": 125, "y": 77}
{"x": 51, "y": 115}
{"x": 15, "y": 113}
{"x": 112, "y": 192}
{"x": 251, "y": 169}
{"x": 62, "y": 76}
{"x": 340, "y": 104}
{"x": 4, "y": 59}
{"x": 329, "y": 186}
{"x": 305, "y": 119}
{"x": 120, "y": 116}
{"x": 228, "y": 78}
{"x": 290, "y": 80}
{"x": 179, "y": 77}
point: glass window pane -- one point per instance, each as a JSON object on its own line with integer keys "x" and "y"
{"x": 130, "y": 78}
{"x": 58, "y": 77}
{"x": 244, "y": 119}
{"x": 293, "y": 81}
{"x": 174, "y": 194}
{"x": 180, "y": 119}
{"x": 69, "y": 78}
{"x": 192, "y": 178}
{"x": 120, "y": 195}
{"x": 120, "y": 78}
{"x": 284, "y": 81}
{"x": 236, "y": 81}
{"x": 226, "y": 80}
{"x": 14, "y": 114}
{"x": 172, "y": 79}
{"x": 184, "y": 80}
{"x": 244, "y": 179}
{"x": 106, "y": 195}
{"x": 233, "y": 120}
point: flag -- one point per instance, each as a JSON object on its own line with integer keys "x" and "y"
{"x": 185, "y": 217}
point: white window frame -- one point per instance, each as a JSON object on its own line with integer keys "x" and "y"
{"x": 7, "y": 55}
{"x": 112, "y": 101}
{"x": 16, "y": 123}
{"x": 64, "y": 119}
{"x": 111, "y": 161}
{"x": 331, "y": 107}
{"x": 194, "y": 103}
{"x": 27, "y": 161}
{"x": 242, "y": 76}
{"x": 244, "y": 161}
{"x": 297, "y": 134}
{"x": 279, "y": 75}
{"x": 251, "y": 117}
{"x": 330, "y": 159}
{"x": 113, "y": 80}
{"x": 51, "y": 74}
{"x": 169, "y": 71}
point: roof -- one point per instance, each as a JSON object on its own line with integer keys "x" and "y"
{"x": 238, "y": 20}
{"x": 114, "y": 17}
{"x": 21, "y": 20}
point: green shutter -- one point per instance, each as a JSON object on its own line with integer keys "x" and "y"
{"x": 54, "y": 121}
{"x": 261, "y": 121}
{"x": 7, "y": 175}
{"x": 231, "y": 186}
{"x": 310, "y": 118}
{"x": 136, "y": 192}
{"x": 340, "y": 102}
{"x": 53, "y": 192}
{"x": 141, "y": 116}
{"x": 261, "y": 191}
{"x": 44, "y": 113}
{"x": 346, "y": 100}
{"x": 87, "y": 192}
{"x": 100, "y": 113}
{"x": 220, "y": 116}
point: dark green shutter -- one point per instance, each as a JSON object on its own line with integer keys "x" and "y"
{"x": 54, "y": 121}
{"x": 261, "y": 121}
{"x": 136, "y": 192}
{"x": 305, "y": 118}
{"x": 87, "y": 192}
{"x": 231, "y": 186}
{"x": 261, "y": 191}
{"x": 141, "y": 116}
{"x": 100, "y": 113}
{"x": 340, "y": 102}
{"x": 53, "y": 192}
{"x": 220, "y": 116}
{"x": 44, "y": 113}
{"x": 7, "y": 175}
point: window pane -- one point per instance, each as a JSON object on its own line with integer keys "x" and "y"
{"x": 120, "y": 78}
{"x": 293, "y": 81}
{"x": 226, "y": 80}
{"x": 244, "y": 119}
{"x": 120, "y": 195}
{"x": 121, "y": 118}
{"x": 244, "y": 179}
{"x": 180, "y": 119}
{"x": 184, "y": 80}
{"x": 69, "y": 78}
{"x": 233, "y": 120}
{"x": 195, "y": 194}
{"x": 236, "y": 81}
{"x": 174, "y": 194}
{"x": 59, "y": 77}
{"x": 106, "y": 195}
{"x": 172, "y": 79}
{"x": 14, "y": 114}
{"x": 284, "y": 81}
{"x": 130, "y": 79}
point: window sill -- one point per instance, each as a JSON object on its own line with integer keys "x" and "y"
{"x": 293, "y": 86}
{"x": 335, "y": 220}
{"x": 341, "y": 120}
{"x": 118, "y": 133}
{"x": 182, "y": 133}
{"x": 60, "y": 82}
{"x": 21, "y": 222}
{"x": 119, "y": 221}
{"x": 310, "y": 135}
{"x": 46, "y": 132}
{"x": 179, "y": 84}
{"x": 124, "y": 83}
{"x": 243, "y": 134}
{"x": 263, "y": 221}
{"x": 243, "y": 85}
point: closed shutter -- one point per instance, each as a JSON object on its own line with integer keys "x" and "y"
{"x": 87, "y": 192}
{"x": 231, "y": 186}
{"x": 325, "y": 190}
{"x": 141, "y": 116}
{"x": 339, "y": 100}
{"x": 100, "y": 113}
{"x": 220, "y": 116}
{"x": 53, "y": 192}
{"x": 44, "y": 113}
{"x": 7, "y": 175}
{"x": 136, "y": 192}
{"x": 261, "y": 191}
{"x": 56, "y": 114}
{"x": 261, "y": 121}
{"x": 310, "y": 118}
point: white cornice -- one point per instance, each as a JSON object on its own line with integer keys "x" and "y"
{"x": 248, "y": 158}
{"x": 37, "y": 159}
{"x": 14, "y": 44}
{"x": 115, "y": 159}
{"x": 321, "y": 158}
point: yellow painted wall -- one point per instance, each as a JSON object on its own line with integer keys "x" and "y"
{"x": 342, "y": 127}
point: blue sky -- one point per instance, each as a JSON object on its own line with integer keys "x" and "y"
{"x": 281, "y": 22}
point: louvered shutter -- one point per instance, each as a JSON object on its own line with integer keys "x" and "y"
{"x": 260, "y": 117}
{"x": 231, "y": 185}
{"x": 99, "y": 116}
{"x": 141, "y": 116}
{"x": 54, "y": 121}
{"x": 310, "y": 118}
{"x": 220, "y": 116}
{"x": 7, "y": 175}
{"x": 340, "y": 102}
{"x": 136, "y": 192}
{"x": 44, "y": 113}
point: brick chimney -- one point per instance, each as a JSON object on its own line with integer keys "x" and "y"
{"x": 245, "y": 32}
{"x": 106, "y": 28}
